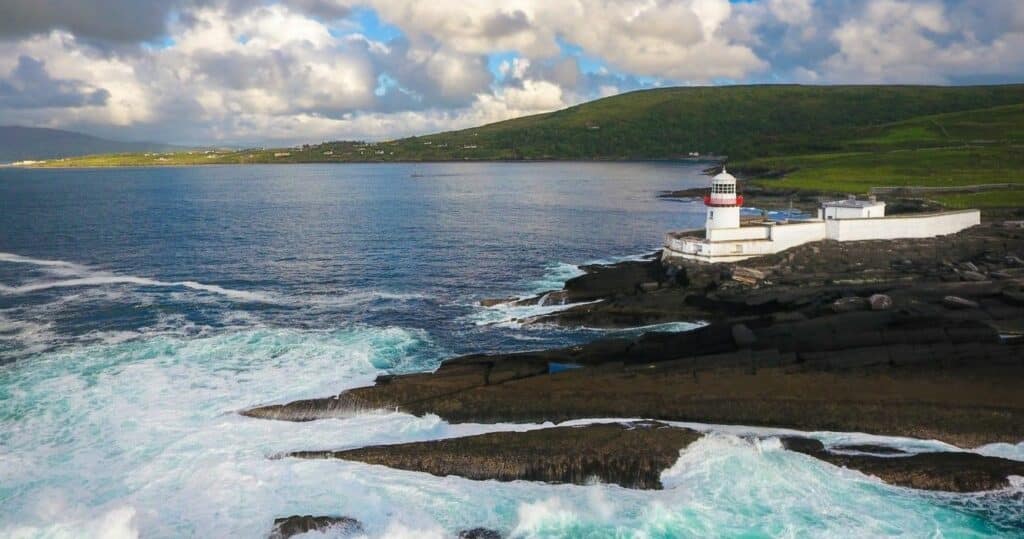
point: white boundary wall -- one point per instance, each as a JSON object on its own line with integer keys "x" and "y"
{"x": 759, "y": 232}
{"x": 895, "y": 227}
{"x": 730, "y": 245}
{"x": 792, "y": 234}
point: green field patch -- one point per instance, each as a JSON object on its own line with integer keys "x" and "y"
{"x": 931, "y": 167}
{"x": 1013, "y": 198}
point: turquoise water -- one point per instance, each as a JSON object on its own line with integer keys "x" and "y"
{"x": 141, "y": 309}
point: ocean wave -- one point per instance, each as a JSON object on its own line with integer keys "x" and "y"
{"x": 554, "y": 278}
{"x": 556, "y": 274}
{"x": 18, "y": 259}
{"x": 102, "y": 280}
{"x": 82, "y": 276}
{"x": 208, "y": 474}
{"x": 93, "y": 277}
{"x": 116, "y": 523}
{"x": 514, "y": 316}
{"x": 664, "y": 327}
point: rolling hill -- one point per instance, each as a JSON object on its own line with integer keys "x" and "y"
{"x": 738, "y": 121}
{"x": 18, "y": 143}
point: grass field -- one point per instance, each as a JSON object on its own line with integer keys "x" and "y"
{"x": 857, "y": 172}
{"x": 984, "y": 146}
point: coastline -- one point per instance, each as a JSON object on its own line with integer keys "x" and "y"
{"x": 715, "y": 160}
{"x": 805, "y": 348}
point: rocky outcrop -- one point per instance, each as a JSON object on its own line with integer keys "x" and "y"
{"x": 949, "y": 471}
{"x": 631, "y": 455}
{"x": 634, "y": 454}
{"x": 479, "y": 533}
{"x": 810, "y": 278}
{"x": 286, "y": 527}
{"x": 883, "y": 372}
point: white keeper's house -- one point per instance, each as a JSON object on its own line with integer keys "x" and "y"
{"x": 726, "y": 239}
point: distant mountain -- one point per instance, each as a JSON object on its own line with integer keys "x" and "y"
{"x": 19, "y": 143}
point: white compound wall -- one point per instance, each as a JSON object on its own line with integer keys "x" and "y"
{"x": 895, "y": 227}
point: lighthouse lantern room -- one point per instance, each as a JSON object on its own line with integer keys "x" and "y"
{"x": 723, "y": 204}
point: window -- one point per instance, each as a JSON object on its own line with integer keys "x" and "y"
{"x": 722, "y": 188}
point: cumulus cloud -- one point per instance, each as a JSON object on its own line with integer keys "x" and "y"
{"x": 233, "y": 71}
{"x": 678, "y": 39}
{"x": 920, "y": 42}
{"x": 30, "y": 86}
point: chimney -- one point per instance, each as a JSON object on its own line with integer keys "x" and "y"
{"x": 873, "y": 198}
{"x": 851, "y": 197}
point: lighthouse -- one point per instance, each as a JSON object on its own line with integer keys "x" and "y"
{"x": 723, "y": 204}
{"x": 724, "y": 240}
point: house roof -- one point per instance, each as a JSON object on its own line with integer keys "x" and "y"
{"x": 852, "y": 203}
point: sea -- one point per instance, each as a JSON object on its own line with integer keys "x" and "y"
{"x": 142, "y": 308}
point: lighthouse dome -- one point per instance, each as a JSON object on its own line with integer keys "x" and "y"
{"x": 724, "y": 177}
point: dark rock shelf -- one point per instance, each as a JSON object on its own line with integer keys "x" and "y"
{"x": 950, "y": 471}
{"x": 632, "y": 455}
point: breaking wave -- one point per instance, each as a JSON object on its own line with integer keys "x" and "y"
{"x": 92, "y": 277}
{"x": 556, "y": 274}
{"x": 141, "y": 439}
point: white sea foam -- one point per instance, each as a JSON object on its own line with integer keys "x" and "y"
{"x": 85, "y": 277}
{"x": 150, "y": 426}
{"x": 117, "y": 523}
{"x": 350, "y": 299}
{"x": 555, "y": 276}
{"x": 557, "y": 273}
{"x": 506, "y": 315}
{"x": 830, "y": 439}
{"x": 101, "y": 280}
{"x": 92, "y": 277}
{"x": 665, "y": 327}
{"x": 18, "y": 259}
{"x": 1006, "y": 451}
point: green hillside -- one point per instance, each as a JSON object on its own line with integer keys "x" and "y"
{"x": 738, "y": 121}
{"x": 741, "y": 122}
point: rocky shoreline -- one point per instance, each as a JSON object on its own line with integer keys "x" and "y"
{"x": 913, "y": 338}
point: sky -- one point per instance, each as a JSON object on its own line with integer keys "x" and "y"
{"x": 251, "y": 72}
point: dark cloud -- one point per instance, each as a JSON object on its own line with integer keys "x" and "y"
{"x": 115, "y": 20}
{"x": 127, "y": 21}
{"x": 323, "y": 9}
{"x": 505, "y": 24}
{"x": 29, "y": 86}
{"x": 237, "y": 71}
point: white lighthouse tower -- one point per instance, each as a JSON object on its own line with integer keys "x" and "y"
{"x": 723, "y": 203}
